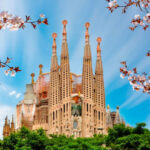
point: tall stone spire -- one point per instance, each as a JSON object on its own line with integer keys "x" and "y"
{"x": 99, "y": 81}
{"x": 108, "y": 118}
{"x": 87, "y": 25}
{"x": 99, "y": 67}
{"x": 54, "y": 62}
{"x": 87, "y": 73}
{"x": 64, "y": 47}
{"x": 117, "y": 118}
{"x": 54, "y": 75}
{"x": 99, "y": 94}
{"x": 87, "y": 87}
{"x": 6, "y": 128}
{"x": 65, "y": 67}
{"x": 12, "y": 125}
{"x": 64, "y": 22}
{"x": 54, "y": 88}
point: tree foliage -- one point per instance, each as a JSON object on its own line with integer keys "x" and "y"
{"x": 38, "y": 140}
{"x": 119, "y": 138}
{"x": 127, "y": 138}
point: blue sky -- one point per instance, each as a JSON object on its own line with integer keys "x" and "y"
{"x": 30, "y": 47}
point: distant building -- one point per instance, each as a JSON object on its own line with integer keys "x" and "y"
{"x": 113, "y": 118}
{"x": 8, "y": 127}
{"x": 62, "y": 102}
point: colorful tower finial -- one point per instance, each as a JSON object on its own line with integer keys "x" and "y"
{"x": 99, "y": 39}
{"x": 40, "y": 66}
{"x": 64, "y": 22}
{"x": 107, "y": 106}
{"x": 32, "y": 75}
{"x": 117, "y": 107}
{"x": 87, "y": 25}
{"x": 54, "y": 36}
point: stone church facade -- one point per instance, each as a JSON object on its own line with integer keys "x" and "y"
{"x": 62, "y": 102}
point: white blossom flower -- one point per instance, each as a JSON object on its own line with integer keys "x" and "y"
{"x": 13, "y": 73}
{"x": 148, "y": 14}
{"x": 122, "y": 76}
{"x": 145, "y": 18}
{"x": 42, "y": 15}
{"x": 137, "y": 16}
{"x": 6, "y": 72}
{"x": 111, "y": 4}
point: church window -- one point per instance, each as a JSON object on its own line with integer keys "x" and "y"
{"x": 99, "y": 115}
{"x": 53, "y": 115}
{"x": 67, "y": 107}
{"x": 87, "y": 107}
{"x": 64, "y": 108}
{"x": 75, "y": 124}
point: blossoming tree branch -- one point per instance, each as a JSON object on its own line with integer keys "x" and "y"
{"x": 139, "y": 81}
{"x": 14, "y": 23}
{"x": 143, "y": 5}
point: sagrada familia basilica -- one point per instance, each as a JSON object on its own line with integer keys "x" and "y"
{"x": 62, "y": 102}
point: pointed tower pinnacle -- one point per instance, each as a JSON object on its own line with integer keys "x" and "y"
{"x": 12, "y": 125}
{"x": 32, "y": 75}
{"x": 87, "y": 73}
{"x": 117, "y": 118}
{"x": 99, "y": 67}
{"x": 64, "y": 47}
{"x": 6, "y": 120}
{"x": 65, "y": 67}
{"x": 64, "y": 22}
{"x": 40, "y": 66}
{"x": 87, "y": 49}
{"x": 108, "y": 118}
{"x": 54, "y": 63}
{"x": 98, "y": 47}
{"x": 87, "y": 25}
{"x": 54, "y": 35}
{"x": 5, "y": 128}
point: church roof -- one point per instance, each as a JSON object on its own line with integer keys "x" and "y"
{"x": 29, "y": 95}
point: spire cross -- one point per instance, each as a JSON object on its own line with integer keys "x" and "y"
{"x": 64, "y": 22}
{"x": 54, "y": 36}
{"x": 87, "y": 25}
{"x": 32, "y": 75}
{"x": 99, "y": 39}
{"x": 40, "y": 66}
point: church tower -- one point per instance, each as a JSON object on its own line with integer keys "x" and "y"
{"x": 99, "y": 98}
{"x": 54, "y": 91}
{"x": 6, "y": 128}
{"x": 87, "y": 88}
{"x": 63, "y": 102}
{"x": 65, "y": 85}
{"x": 12, "y": 125}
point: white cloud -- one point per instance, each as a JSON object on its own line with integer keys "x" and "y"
{"x": 132, "y": 97}
{"x": 18, "y": 95}
{"x": 12, "y": 93}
